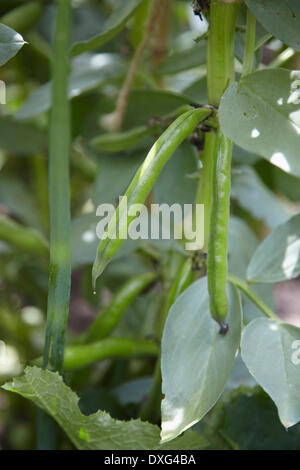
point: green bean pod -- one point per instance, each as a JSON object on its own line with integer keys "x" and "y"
{"x": 107, "y": 320}
{"x": 25, "y": 239}
{"x": 82, "y": 355}
{"x": 217, "y": 263}
{"x": 142, "y": 183}
{"x": 121, "y": 141}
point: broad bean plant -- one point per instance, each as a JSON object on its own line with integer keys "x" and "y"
{"x": 128, "y": 343}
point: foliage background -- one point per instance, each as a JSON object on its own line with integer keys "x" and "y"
{"x": 170, "y": 76}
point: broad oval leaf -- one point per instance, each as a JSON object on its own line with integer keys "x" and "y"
{"x": 266, "y": 107}
{"x": 113, "y": 26}
{"x": 242, "y": 244}
{"x": 97, "y": 431}
{"x": 10, "y": 43}
{"x": 277, "y": 258}
{"x": 196, "y": 359}
{"x": 251, "y": 423}
{"x": 184, "y": 60}
{"x": 89, "y": 71}
{"x": 253, "y": 196}
{"x": 271, "y": 351}
{"x": 281, "y": 18}
{"x": 21, "y": 138}
{"x": 180, "y": 168}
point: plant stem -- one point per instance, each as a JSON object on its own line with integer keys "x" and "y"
{"x": 59, "y": 195}
{"x": 149, "y": 410}
{"x": 262, "y": 41}
{"x": 220, "y": 73}
{"x": 161, "y": 36}
{"x": 60, "y": 219}
{"x": 249, "y": 50}
{"x": 220, "y": 48}
{"x": 243, "y": 286}
{"x": 40, "y": 176}
{"x": 116, "y": 118}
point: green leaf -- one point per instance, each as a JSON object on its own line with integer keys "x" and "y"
{"x": 89, "y": 71}
{"x": 280, "y": 18}
{"x": 253, "y": 196}
{"x": 114, "y": 174}
{"x": 150, "y": 104}
{"x": 251, "y": 423}
{"x": 242, "y": 243}
{"x": 84, "y": 240}
{"x": 21, "y": 138}
{"x": 10, "y": 43}
{"x": 196, "y": 359}
{"x": 287, "y": 185}
{"x": 184, "y": 60}
{"x": 271, "y": 351}
{"x": 261, "y": 114}
{"x": 278, "y": 257}
{"x": 94, "y": 432}
{"x": 179, "y": 168}
{"x": 15, "y": 196}
{"x": 241, "y": 247}
{"x": 240, "y": 376}
{"x": 112, "y": 27}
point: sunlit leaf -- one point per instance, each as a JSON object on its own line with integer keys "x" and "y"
{"x": 195, "y": 372}
{"x": 278, "y": 257}
{"x": 10, "y": 43}
{"x": 271, "y": 351}
{"x": 281, "y": 18}
{"x": 94, "y": 432}
{"x": 253, "y": 196}
{"x": 266, "y": 106}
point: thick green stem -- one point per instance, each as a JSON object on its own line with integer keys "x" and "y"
{"x": 249, "y": 50}
{"x": 220, "y": 73}
{"x": 243, "y": 286}
{"x": 150, "y": 409}
{"x": 59, "y": 195}
{"x": 60, "y": 219}
{"x": 220, "y": 53}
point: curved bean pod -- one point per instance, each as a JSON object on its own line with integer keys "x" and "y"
{"x": 143, "y": 181}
